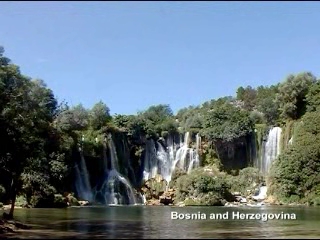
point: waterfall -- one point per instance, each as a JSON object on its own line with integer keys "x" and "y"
{"x": 162, "y": 161}
{"x": 271, "y": 149}
{"x": 83, "y": 186}
{"x": 115, "y": 189}
{"x": 150, "y": 161}
{"x": 262, "y": 193}
{"x": 187, "y": 158}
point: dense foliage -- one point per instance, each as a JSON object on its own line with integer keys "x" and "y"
{"x": 296, "y": 176}
{"x": 203, "y": 188}
{"x": 226, "y": 122}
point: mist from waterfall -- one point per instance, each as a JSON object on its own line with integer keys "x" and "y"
{"x": 271, "y": 149}
{"x": 163, "y": 161}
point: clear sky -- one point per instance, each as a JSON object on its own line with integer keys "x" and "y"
{"x": 132, "y": 55}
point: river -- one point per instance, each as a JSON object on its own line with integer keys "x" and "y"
{"x": 155, "y": 222}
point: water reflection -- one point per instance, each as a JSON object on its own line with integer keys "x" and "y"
{"x": 155, "y": 222}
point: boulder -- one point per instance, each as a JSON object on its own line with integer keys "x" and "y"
{"x": 84, "y": 203}
{"x": 166, "y": 200}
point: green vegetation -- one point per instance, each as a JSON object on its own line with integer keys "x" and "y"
{"x": 41, "y": 138}
{"x": 295, "y": 176}
{"x": 203, "y": 188}
{"x": 209, "y": 186}
{"x": 246, "y": 182}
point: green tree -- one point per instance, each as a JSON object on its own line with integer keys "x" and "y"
{"x": 267, "y": 104}
{"x": 292, "y": 95}
{"x": 157, "y": 118}
{"x": 26, "y": 112}
{"x": 248, "y": 96}
{"x": 74, "y": 119}
{"x": 313, "y": 97}
{"x": 99, "y": 115}
{"x": 227, "y": 122}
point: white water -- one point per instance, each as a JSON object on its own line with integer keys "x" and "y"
{"x": 159, "y": 160}
{"x": 262, "y": 193}
{"x": 110, "y": 188}
{"x": 83, "y": 186}
{"x": 271, "y": 149}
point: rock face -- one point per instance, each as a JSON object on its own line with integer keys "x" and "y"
{"x": 156, "y": 193}
{"x": 234, "y": 155}
{"x": 167, "y": 198}
{"x": 71, "y": 200}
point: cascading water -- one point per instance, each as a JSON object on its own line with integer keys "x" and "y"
{"x": 159, "y": 160}
{"x": 82, "y": 183}
{"x": 271, "y": 149}
{"x": 262, "y": 193}
{"x": 150, "y": 161}
{"x": 181, "y": 159}
{"x": 115, "y": 189}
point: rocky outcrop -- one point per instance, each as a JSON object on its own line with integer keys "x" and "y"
{"x": 156, "y": 193}
{"x": 167, "y": 198}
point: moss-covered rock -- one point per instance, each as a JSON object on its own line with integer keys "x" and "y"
{"x": 154, "y": 187}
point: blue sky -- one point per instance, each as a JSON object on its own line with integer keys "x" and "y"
{"x": 132, "y": 55}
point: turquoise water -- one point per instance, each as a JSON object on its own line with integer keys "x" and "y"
{"x": 156, "y": 222}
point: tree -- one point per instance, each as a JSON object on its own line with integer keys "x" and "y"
{"x": 247, "y": 96}
{"x": 292, "y": 95}
{"x": 157, "y": 113}
{"x": 122, "y": 121}
{"x": 226, "y": 122}
{"x": 313, "y": 97}
{"x": 266, "y": 103}
{"x": 74, "y": 119}
{"x": 26, "y": 112}
{"x": 240, "y": 93}
{"x": 99, "y": 115}
{"x": 156, "y": 118}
